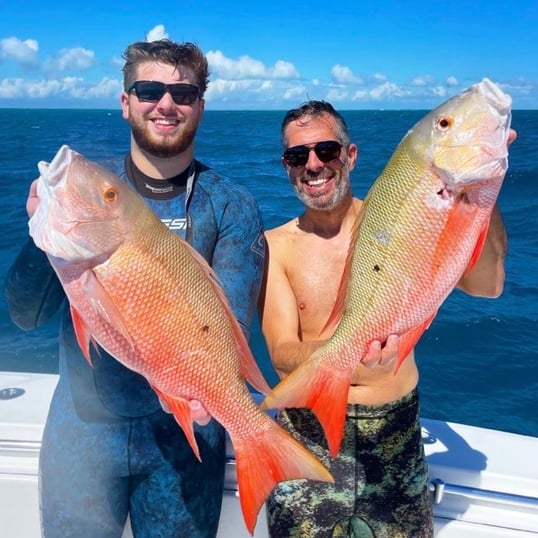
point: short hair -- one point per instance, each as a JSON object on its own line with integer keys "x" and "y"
{"x": 187, "y": 56}
{"x": 314, "y": 110}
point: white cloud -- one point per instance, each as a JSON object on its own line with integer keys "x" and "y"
{"x": 11, "y": 88}
{"x": 156, "y": 33}
{"x": 295, "y": 93}
{"x": 74, "y": 59}
{"x": 440, "y": 91}
{"x": 423, "y": 80}
{"x": 24, "y": 52}
{"x": 452, "y": 81}
{"x": 387, "y": 90}
{"x": 344, "y": 75}
{"x": 248, "y": 68}
{"x": 337, "y": 95}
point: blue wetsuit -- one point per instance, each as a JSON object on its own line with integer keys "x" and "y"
{"x": 109, "y": 449}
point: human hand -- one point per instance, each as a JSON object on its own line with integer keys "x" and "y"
{"x": 379, "y": 354}
{"x": 32, "y": 201}
{"x": 512, "y": 135}
{"x": 198, "y": 412}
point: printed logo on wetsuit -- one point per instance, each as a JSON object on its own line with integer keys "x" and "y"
{"x": 176, "y": 224}
{"x": 258, "y": 245}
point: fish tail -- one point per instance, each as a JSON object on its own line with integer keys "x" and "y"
{"x": 270, "y": 457}
{"x": 321, "y": 387}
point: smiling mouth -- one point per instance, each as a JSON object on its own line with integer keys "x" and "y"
{"x": 318, "y": 182}
{"x": 166, "y": 122}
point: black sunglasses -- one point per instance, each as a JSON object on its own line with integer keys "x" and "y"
{"x": 326, "y": 151}
{"x": 152, "y": 91}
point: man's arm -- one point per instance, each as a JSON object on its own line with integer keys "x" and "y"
{"x": 487, "y": 277}
{"x": 279, "y": 317}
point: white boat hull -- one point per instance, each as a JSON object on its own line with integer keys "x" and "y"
{"x": 485, "y": 482}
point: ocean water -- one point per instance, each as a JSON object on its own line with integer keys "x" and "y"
{"x": 478, "y": 360}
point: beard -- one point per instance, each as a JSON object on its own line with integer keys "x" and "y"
{"x": 163, "y": 146}
{"x": 341, "y": 190}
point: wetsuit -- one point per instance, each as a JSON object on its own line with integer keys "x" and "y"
{"x": 380, "y": 473}
{"x": 108, "y": 448}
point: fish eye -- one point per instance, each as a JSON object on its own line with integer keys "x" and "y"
{"x": 110, "y": 195}
{"x": 443, "y": 122}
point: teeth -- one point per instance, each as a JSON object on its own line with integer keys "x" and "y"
{"x": 316, "y": 182}
{"x": 166, "y": 122}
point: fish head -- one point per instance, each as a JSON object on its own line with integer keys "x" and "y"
{"x": 465, "y": 140}
{"x": 83, "y": 210}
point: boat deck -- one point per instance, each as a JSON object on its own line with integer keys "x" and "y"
{"x": 484, "y": 482}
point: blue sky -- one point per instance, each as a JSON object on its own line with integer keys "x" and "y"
{"x": 369, "y": 54}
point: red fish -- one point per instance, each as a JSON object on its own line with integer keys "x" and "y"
{"x": 153, "y": 303}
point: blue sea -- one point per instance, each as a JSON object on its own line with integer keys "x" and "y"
{"x": 478, "y": 360}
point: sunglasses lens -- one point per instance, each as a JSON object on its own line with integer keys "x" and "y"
{"x": 153, "y": 91}
{"x": 183, "y": 94}
{"x": 149, "y": 91}
{"x": 296, "y": 156}
{"x": 325, "y": 151}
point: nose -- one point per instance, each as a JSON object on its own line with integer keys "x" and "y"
{"x": 313, "y": 163}
{"x": 166, "y": 101}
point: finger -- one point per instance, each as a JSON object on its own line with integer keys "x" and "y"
{"x": 389, "y": 351}
{"x": 373, "y": 355}
{"x": 199, "y": 413}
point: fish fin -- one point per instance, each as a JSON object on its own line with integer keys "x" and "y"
{"x": 320, "y": 387}
{"x": 181, "y": 410}
{"x": 339, "y": 307}
{"x": 252, "y": 373}
{"x": 409, "y": 340}
{"x": 83, "y": 334}
{"x": 481, "y": 241}
{"x": 270, "y": 457}
{"x": 104, "y": 306}
{"x": 460, "y": 217}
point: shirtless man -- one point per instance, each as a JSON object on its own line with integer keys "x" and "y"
{"x": 380, "y": 473}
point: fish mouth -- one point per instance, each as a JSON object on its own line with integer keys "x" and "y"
{"x": 500, "y": 101}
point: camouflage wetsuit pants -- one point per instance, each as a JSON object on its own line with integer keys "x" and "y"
{"x": 380, "y": 473}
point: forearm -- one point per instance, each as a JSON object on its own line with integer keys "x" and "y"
{"x": 289, "y": 355}
{"x": 33, "y": 292}
{"x": 487, "y": 277}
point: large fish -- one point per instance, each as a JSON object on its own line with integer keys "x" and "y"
{"x": 422, "y": 225}
{"x": 125, "y": 274}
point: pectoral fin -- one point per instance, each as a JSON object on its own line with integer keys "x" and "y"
{"x": 104, "y": 306}
{"x": 181, "y": 410}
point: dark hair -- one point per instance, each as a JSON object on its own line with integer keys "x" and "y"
{"x": 315, "y": 110}
{"x": 183, "y": 56}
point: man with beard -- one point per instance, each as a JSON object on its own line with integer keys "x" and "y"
{"x": 380, "y": 472}
{"x": 109, "y": 449}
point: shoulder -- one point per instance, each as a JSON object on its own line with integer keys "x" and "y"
{"x": 222, "y": 187}
{"x": 282, "y": 242}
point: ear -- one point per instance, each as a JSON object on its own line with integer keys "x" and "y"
{"x": 352, "y": 155}
{"x": 124, "y": 100}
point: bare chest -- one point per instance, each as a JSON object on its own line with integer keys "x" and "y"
{"x": 314, "y": 272}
